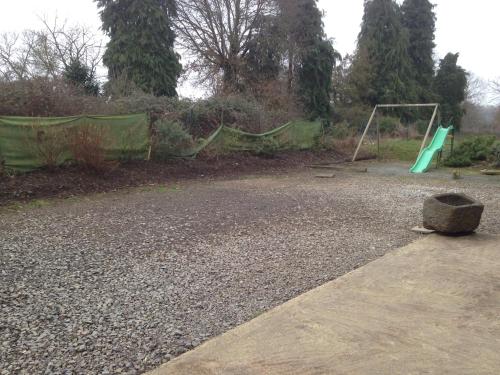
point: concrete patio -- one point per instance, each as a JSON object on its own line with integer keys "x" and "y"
{"x": 432, "y": 307}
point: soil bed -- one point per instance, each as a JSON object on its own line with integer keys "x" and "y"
{"x": 71, "y": 181}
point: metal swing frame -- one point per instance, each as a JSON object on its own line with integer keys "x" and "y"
{"x": 434, "y": 115}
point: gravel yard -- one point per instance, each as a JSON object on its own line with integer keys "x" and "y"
{"x": 122, "y": 282}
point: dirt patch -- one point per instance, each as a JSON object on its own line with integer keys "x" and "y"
{"x": 71, "y": 181}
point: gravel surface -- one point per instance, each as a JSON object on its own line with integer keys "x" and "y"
{"x": 122, "y": 282}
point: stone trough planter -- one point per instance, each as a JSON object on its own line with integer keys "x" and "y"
{"x": 452, "y": 213}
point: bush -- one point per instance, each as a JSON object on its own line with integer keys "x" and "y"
{"x": 46, "y": 97}
{"x": 170, "y": 139}
{"x": 458, "y": 161}
{"x": 495, "y": 155}
{"x": 388, "y": 125}
{"x": 205, "y": 116}
{"x": 421, "y": 126}
{"x": 340, "y": 130}
{"x": 48, "y": 144}
{"x": 471, "y": 150}
{"x": 355, "y": 116}
{"x": 268, "y": 147}
{"x": 86, "y": 144}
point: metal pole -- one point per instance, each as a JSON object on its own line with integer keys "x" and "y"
{"x": 428, "y": 129}
{"x": 364, "y": 133}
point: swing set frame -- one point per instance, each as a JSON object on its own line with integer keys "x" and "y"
{"x": 385, "y": 106}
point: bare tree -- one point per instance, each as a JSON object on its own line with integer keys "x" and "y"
{"x": 48, "y": 52}
{"x": 495, "y": 88}
{"x": 476, "y": 89}
{"x": 216, "y": 34}
{"x": 67, "y": 44}
{"x": 16, "y": 52}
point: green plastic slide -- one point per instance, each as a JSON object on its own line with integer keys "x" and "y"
{"x": 424, "y": 160}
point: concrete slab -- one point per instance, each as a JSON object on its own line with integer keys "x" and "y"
{"x": 432, "y": 307}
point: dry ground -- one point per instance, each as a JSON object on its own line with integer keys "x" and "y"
{"x": 121, "y": 282}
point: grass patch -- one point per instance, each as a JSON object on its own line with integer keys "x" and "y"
{"x": 397, "y": 149}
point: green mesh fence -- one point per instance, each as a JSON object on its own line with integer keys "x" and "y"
{"x": 296, "y": 135}
{"x": 23, "y": 139}
{"x": 26, "y": 141}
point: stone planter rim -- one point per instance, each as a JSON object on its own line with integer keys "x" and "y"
{"x": 473, "y": 202}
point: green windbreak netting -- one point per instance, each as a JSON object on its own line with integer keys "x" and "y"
{"x": 296, "y": 135}
{"x": 25, "y": 142}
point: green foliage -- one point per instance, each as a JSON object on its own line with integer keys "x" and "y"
{"x": 458, "y": 161}
{"x": 268, "y": 147}
{"x": 141, "y": 43}
{"x": 450, "y": 85}
{"x": 421, "y": 126}
{"x": 315, "y": 79}
{"x": 472, "y": 150}
{"x": 354, "y": 115}
{"x": 388, "y": 125}
{"x": 382, "y": 68}
{"x": 420, "y": 21}
{"x": 80, "y": 75}
{"x": 265, "y": 51}
{"x": 171, "y": 139}
{"x": 340, "y": 130}
{"x": 495, "y": 155}
{"x": 310, "y": 56}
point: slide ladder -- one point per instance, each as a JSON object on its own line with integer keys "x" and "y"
{"x": 424, "y": 160}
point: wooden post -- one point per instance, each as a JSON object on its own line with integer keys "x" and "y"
{"x": 364, "y": 133}
{"x": 428, "y": 129}
{"x": 452, "y": 141}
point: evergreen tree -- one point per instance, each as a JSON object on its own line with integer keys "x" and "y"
{"x": 450, "y": 84}
{"x": 141, "y": 43}
{"x": 420, "y": 21}
{"x": 311, "y": 57}
{"x": 80, "y": 75}
{"x": 265, "y": 51}
{"x": 382, "y": 69}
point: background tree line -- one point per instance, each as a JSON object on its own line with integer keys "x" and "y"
{"x": 270, "y": 57}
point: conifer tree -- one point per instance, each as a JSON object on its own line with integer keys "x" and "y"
{"x": 420, "y": 21}
{"x": 450, "y": 84}
{"x": 141, "y": 43}
{"x": 382, "y": 69}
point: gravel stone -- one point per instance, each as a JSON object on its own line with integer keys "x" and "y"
{"x": 122, "y": 282}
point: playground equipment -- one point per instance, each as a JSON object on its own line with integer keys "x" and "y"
{"x": 424, "y": 159}
{"x": 426, "y": 154}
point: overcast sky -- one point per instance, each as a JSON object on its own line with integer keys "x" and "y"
{"x": 471, "y": 28}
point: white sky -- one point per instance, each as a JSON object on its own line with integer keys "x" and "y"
{"x": 470, "y": 28}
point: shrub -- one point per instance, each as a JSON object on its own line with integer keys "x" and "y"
{"x": 495, "y": 155}
{"x": 471, "y": 150}
{"x": 355, "y": 116}
{"x": 388, "y": 125}
{"x": 86, "y": 144}
{"x": 458, "y": 160}
{"x": 340, "y": 130}
{"x": 205, "y": 116}
{"x": 48, "y": 144}
{"x": 46, "y": 97}
{"x": 268, "y": 147}
{"x": 170, "y": 139}
{"x": 421, "y": 126}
